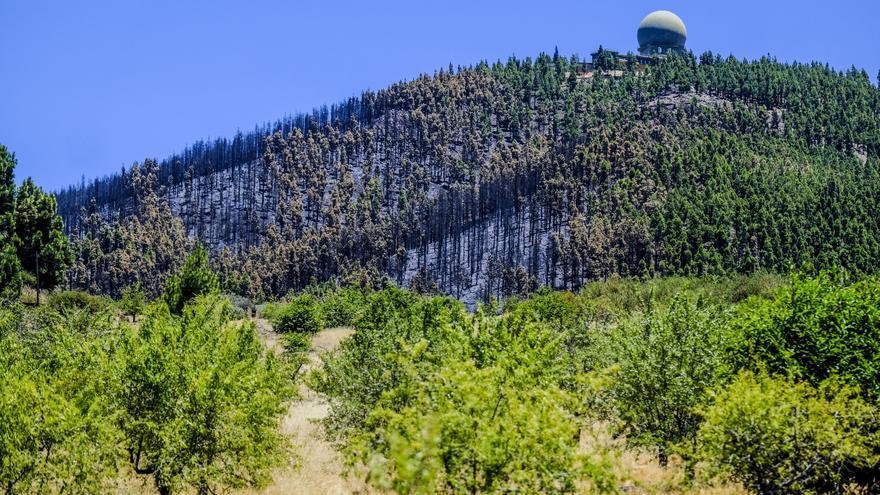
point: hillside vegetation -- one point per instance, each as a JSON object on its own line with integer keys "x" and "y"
{"x": 493, "y": 180}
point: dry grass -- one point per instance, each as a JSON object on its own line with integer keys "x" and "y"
{"x": 647, "y": 476}
{"x": 320, "y": 469}
{"x": 641, "y": 473}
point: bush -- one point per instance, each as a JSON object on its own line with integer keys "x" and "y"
{"x": 9, "y": 319}
{"x": 57, "y": 427}
{"x": 562, "y": 310}
{"x": 478, "y": 409}
{"x": 661, "y": 364}
{"x": 475, "y": 430}
{"x": 341, "y": 307}
{"x": 777, "y": 436}
{"x": 299, "y": 315}
{"x": 817, "y": 327}
{"x": 10, "y": 273}
{"x": 133, "y": 300}
{"x": 296, "y": 343}
{"x": 355, "y": 376}
{"x": 203, "y": 400}
{"x": 241, "y": 305}
{"x": 430, "y": 399}
{"x": 741, "y": 287}
{"x": 67, "y": 300}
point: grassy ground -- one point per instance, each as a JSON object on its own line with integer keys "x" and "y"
{"x": 320, "y": 469}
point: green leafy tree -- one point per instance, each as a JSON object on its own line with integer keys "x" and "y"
{"x": 57, "y": 415}
{"x": 39, "y": 236}
{"x": 300, "y": 314}
{"x": 483, "y": 414}
{"x": 479, "y": 430}
{"x": 203, "y": 400}
{"x": 195, "y": 279}
{"x": 780, "y": 437}
{"x": 662, "y": 364}
{"x": 362, "y": 369}
{"x": 341, "y": 306}
{"x": 819, "y": 326}
{"x": 133, "y": 300}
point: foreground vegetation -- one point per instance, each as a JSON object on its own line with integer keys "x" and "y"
{"x": 190, "y": 400}
{"x": 427, "y": 398}
{"x": 766, "y": 383}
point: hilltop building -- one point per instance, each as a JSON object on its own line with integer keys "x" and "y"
{"x": 660, "y": 33}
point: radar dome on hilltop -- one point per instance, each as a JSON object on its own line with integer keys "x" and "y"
{"x": 661, "y": 32}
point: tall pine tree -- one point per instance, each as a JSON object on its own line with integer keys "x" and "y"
{"x": 10, "y": 268}
{"x": 42, "y": 247}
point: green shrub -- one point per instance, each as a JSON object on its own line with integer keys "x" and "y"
{"x": 10, "y": 273}
{"x": 269, "y": 310}
{"x": 818, "y": 327}
{"x": 476, "y": 408}
{"x": 9, "y": 320}
{"x": 341, "y": 307}
{"x": 133, "y": 300}
{"x": 203, "y": 400}
{"x": 780, "y": 437}
{"x": 67, "y": 300}
{"x": 562, "y": 310}
{"x": 241, "y": 305}
{"x": 478, "y": 430}
{"x": 356, "y": 375}
{"x": 661, "y": 364}
{"x": 300, "y": 314}
{"x": 57, "y": 416}
{"x": 296, "y": 343}
{"x": 619, "y": 297}
{"x": 741, "y": 287}
{"x": 195, "y": 401}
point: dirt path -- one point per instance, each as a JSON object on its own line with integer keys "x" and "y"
{"x": 320, "y": 469}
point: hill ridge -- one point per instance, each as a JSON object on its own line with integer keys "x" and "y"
{"x": 494, "y": 180}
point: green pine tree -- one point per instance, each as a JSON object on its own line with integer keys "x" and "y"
{"x": 7, "y": 192}
{"x": 196, "y": 279}
{"x": 39, "y": 236}
{"x": 10, "y": 268}
{"x": 10, "y": 273}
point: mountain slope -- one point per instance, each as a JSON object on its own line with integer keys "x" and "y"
{"x": 492, "y": 180}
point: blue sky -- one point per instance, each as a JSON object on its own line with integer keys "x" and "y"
{"x": 89, "y": 86}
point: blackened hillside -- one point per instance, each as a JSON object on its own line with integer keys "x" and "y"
{"x": 495, "y": 179}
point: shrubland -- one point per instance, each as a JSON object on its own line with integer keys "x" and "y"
{"x": 758, "y": 383}
{"x": 189, "y": 401}
{"x": 428, "y": 398}
{"x": 776, "y": 435}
